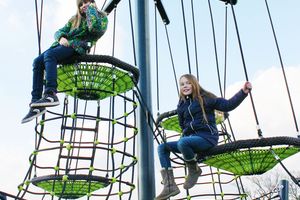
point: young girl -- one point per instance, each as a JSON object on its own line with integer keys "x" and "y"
{"x": 196, "y": 114}
{"x": 75, "y": 38}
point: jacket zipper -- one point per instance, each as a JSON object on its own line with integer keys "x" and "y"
{"x": 211, "y": 129}
{"x": 191, "y": 123}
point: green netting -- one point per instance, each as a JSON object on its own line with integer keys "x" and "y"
{"x": 73, "y": 187}
{"x": 92, "y": 81}
{"x": 172, "y": 123}
{"x": 249, "y": 161}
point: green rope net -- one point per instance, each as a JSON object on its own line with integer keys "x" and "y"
{"x": 249, "y": 161}
{"x": 93, "y": 81}
{"x": 72, "y": 186}
{"x": 172, "y": 123}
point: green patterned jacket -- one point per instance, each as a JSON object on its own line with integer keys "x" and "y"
{"x": 86, "y": 35}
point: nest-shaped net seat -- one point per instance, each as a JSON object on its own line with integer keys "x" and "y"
{"x": 95, "y": 77}
{"x": 71, "y": 186}
{"x": 241, "y": 157}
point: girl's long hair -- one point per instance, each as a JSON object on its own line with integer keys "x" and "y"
{"x": 76, "y": 19}
{"x": 197, "y": 92}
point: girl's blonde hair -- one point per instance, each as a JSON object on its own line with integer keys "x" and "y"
{"x": 197, "y": 92}
{"x": 76, "y": 19}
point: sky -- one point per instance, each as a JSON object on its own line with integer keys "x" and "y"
{"x": 19, "y": 46}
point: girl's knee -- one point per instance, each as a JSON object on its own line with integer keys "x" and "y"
{"x": 180, "y": 144}
{"x": 49, "y": 55}
{"x": 37, "y": 64}
{"x": 161, "y": 147}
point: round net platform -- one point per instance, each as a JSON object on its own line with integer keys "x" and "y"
{"x": 94, "y": 77}
{"x": 71, "y": 186}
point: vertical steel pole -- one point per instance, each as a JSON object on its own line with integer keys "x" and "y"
{"x": 284, "y": 190}
{"x": 146, "y": 178}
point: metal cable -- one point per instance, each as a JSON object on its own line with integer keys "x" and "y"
{"x": 186, "y": 39}
{"x": 215, "y": 47}
{"x": 282, "y": 68}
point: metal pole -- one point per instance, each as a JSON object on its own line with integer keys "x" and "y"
{"x": 146, "y": 178}
{"x": 284, "y": 190}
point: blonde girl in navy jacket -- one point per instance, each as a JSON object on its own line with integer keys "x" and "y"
{"x": 75, "y": 38}
{"x": 196, "y": 114}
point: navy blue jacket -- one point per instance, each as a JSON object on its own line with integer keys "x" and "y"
{"x": 191, "y": 118}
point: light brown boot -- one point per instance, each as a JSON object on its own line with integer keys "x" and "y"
{"x": 170, "y": 188}
{"x": 194, "y": 172}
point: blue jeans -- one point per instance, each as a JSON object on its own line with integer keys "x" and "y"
{"x": 48, "y": 61}
{"x": 189, "y": 146}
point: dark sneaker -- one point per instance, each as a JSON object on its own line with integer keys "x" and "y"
{"x": 33, "y": 113}
{"x": 233, "y": 2}
{"x": 47, "y": 101}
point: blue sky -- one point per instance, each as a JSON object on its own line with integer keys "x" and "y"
{"x": 18, "y": 46}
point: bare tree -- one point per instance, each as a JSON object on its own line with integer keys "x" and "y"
{"x": 294, "y": 189}
{"x": 266, "y": 186}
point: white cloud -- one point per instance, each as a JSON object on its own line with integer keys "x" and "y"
{"x": 3, "y": 3}
{"x": 14, "y": 21}
{"x": 271, "y": 103}
{"x": 65, "y": 10}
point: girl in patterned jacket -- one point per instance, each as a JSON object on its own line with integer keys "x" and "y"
{"x": 75, "y": 38}
{"x": 196, "y": 114}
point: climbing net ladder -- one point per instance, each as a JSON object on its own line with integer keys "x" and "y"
{"x": 90, "y": 151}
